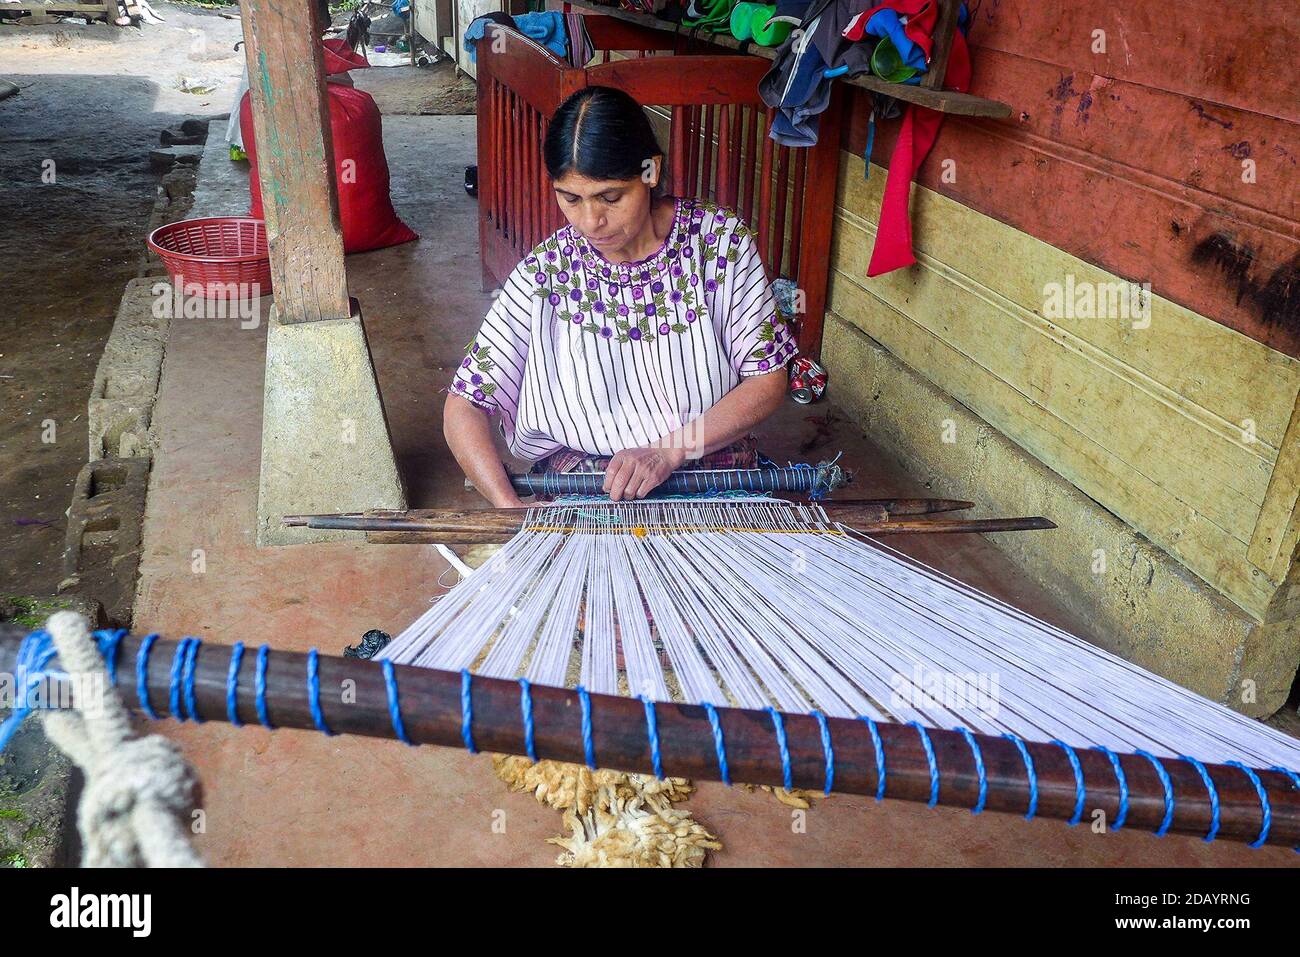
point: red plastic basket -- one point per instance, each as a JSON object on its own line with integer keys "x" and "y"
{"x": 224, "y": 257}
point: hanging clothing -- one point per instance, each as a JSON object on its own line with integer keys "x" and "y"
{"x": 546, "y": 29}
{"x": 580, "y": 353}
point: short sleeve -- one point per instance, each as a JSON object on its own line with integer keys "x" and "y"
{"x": 755, "y": 335}
{"x": 491, "y": 374}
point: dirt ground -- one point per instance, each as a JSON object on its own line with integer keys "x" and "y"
{"x": 77, "y": 190}
{"x": 93, "y": 100}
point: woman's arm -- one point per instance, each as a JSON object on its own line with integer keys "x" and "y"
{"x": 633, "y": 473}
{"x": 469, "y": 436}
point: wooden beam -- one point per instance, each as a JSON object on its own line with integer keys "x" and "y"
{"x": 295, "y": 156}
{"x": 944, "y": 28}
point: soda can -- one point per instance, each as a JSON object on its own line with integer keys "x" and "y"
{"x": 807, "y": 380}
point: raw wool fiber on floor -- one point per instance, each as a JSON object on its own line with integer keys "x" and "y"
{"x": 615, "y": 819}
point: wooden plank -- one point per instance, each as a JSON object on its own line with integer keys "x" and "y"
{"x": 664, "y": 81}
{"x": 945, "y": 101}
{"x": 1216, "y": 375}
{"x": 295, "y": 159}
{"x": 945, "y": 27}
{"x": 1273, "y": 546}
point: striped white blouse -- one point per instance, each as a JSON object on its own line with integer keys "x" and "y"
{"x": 580, "y": 353}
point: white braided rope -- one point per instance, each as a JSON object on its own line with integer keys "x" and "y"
{"x": 140, "y": 793}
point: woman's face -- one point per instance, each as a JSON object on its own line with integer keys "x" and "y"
{"x": 610, "y": 214}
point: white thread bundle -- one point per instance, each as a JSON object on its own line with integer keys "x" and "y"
{"x": 764, "y": 603}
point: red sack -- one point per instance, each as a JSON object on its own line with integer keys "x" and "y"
{"x": 360, "y": 170}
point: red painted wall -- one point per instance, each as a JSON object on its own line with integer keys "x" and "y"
{"x": 1133, "y": 158}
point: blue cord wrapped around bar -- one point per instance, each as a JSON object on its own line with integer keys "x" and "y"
{"x": 827, "y": 750}
{"x": 1029, "y": 770}
{"x": 108, "y": 640}
{"x": 1266, "y": 809}
{"x": 588, "y": 746}
{"x": 142, "y": 675}
{"x": 1168, "y": 785}
{"x": 394, "y": 702}
{"x": 786, "y": 773}
{"x": 930, "y": 760}
{"x": 719, "y": 744}
{"x": 526, "y": 712}
{"x": 652, "y": 731}
{"x": 979, "y": 770}
{"x": 187, "y": 679}
{"x": 232, "y": 684}
{"x": 1080, "y": 794}
{"x": 1122, "y": 780}
{"x": 174, "y": 684}
{"x": 467, "y": 712}
{"x": 259, "y": 686}
{"x": 1213, "y": 792}
{"x": 880, "y": 755}
{"x": 313, "y": 692}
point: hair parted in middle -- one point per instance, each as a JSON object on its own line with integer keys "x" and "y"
{"x": 600, "y": 133}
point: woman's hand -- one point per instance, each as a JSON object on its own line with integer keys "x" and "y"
{"x": 634, "y": 473}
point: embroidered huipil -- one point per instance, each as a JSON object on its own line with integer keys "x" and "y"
{"x": 580, "y": 353}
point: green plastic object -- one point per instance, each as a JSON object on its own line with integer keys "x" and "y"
{"x": 887, "y": 64}
{"x": 741, "y": 16}
{"x": 768, "y": 34}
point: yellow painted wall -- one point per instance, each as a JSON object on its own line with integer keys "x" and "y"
{"x": 1176, "y": 427}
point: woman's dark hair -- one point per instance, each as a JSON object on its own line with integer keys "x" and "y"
{"x": 601, "y": 133}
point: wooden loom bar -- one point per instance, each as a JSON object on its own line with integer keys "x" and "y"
{"x": 431, "y": 712}
{"x": 492, "y": 526}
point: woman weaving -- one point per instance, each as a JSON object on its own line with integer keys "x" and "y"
{"x": 637, "y": 339}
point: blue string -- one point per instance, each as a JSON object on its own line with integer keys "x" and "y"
{"x": 588, "y": 746}
{"x": 142, "y": 675}
{"x": 1029, "y": 770}
{"x": 979, "y": 769}
{"x": 187, "y": 679}
{"x": 313, "y": 691}
{"x": 880, "y": 755}
{"x": 786, "y": 774}
{"x": 718, "y": 744}
{"x": 526, "y": 710}
{"x": 34, "y": 654}
{"x": 466, "y": 712}
{"x": 1080, "y": 794}
{"x": 394, "y": 704}
{"x": 1213, "y": 792}
{"x": 1122, "y": 780}
{"x": 652, "y": 730}
{"x": 827, "y": 750}
{"x": 1266, "y": 809}
{"x": 1295, "y": 780}
{"x": 929, "y": 759}
{"x": 1168, "y": 785}
{"x": 109, "y": 639}
{"x": 259, "y": 685}
{"x": 174, "y": 687}
{"x": 232, "y": 684}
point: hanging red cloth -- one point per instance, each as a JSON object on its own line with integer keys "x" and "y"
{"x": 893, "y": 249}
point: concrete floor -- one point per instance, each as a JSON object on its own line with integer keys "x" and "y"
{"x": 296, "y": 798}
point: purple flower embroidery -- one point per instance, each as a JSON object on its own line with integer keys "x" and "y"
{"x": 478, "y": 394}
{"x": 577, "y": 319}
{"x": 541, "y": 278}
{"x": 711, "y": 238}
{"x": 460, "y": 386}
{"x": 675, "y": 295}
{"x": 768, "y": 348}
{"x": 711, "y": 285}
{"x": 568, "y": 250}
{"x": 657, "y": 288}
{"x": 634, "y": 333}
{"x": 605, "y": 272}
{"x": 553, "y": 299}
{"x": 476, "y": 379}
{"x": 606, "y": 332}
{"x": 695, "y": 229}
{"x": 677, "y": 269}
{"x": 598, "y": 307}
{"x": 465, "y": 364}
{"x": 562, "y": 276}
{"x": 664, "y": 329}
{"x": 576, "y": 295}
{"x": 687, "y": 252}
{"x": 638, "y": 293}
{"x": 764, "y": 365}
{"x": 613, "y": 290}
{"x": 735, "y": 238}
{"x": 592, "y": 284}
{"x": 650, "y": 309}
{"x": 695, "y": 280}
{"x": 550, "y": 255}
{"x": 622, "y": 310}
{"x": 690, "y": 315}
{"x": 645, "y": 276}
{"x": 697, "y": 213}
{"x": 722, "y": 265}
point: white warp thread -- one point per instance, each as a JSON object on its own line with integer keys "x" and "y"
{"x": 802, "y": 615}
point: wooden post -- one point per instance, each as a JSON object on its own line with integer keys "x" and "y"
{"x": 295, "y": 159}
{"x": 944, "y": 28}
